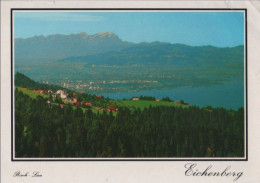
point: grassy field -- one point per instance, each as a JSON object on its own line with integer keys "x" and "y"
{"x": 144, "y": 103}
{"x": 31, "y": 93}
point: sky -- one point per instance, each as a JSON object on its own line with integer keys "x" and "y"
{"x": 221, "y": 29}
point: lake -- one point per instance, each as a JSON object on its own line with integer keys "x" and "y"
{"x": 229, "y": 95}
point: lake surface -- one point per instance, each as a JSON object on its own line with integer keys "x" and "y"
{"x": 229, "y": 95}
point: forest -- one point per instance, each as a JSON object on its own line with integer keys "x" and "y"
{"x": 43, "y": 130}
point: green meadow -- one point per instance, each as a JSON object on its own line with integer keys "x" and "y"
{"x": 31, "y": 93}
{"x": 144, "y": 103}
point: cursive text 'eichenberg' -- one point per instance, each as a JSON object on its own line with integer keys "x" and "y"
{"x": 193, "y": 170}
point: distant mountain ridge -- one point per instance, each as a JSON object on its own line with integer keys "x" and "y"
{"x": 108, "y": 49}
{"x": 58, "y": 46}
{"x": 166, "y": 54}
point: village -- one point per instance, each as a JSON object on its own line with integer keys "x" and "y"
{"x": 96, "y": 103}
{"x": 67, "y": 98}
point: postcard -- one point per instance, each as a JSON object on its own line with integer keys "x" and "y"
{"x": 134, "y": 92}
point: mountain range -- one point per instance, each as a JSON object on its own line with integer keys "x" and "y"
{"x": 58, "y": 46}
{"x": 166, "y": 54}
{"x": 108, "y": 49}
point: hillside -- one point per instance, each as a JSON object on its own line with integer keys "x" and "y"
{"x": 48, "y": 126}
{"x": 44, "y": 130}
{"x": 23, "y": 81}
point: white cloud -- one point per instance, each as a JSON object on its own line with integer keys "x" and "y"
{"x": 58, "y": 16}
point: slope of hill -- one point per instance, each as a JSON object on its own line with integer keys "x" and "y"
{"x": 23, "y": 81}
{"x": 45, "y": 130}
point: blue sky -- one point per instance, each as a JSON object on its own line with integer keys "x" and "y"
{"x": 222, "y": 29}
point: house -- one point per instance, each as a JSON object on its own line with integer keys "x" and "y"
{"x": 157, "y": 100}
{"x": 74, "y": 93}
{"x": 25, "y": 88}
{"x": 39, "y": 91}
{"x": 185, "y": 103}
{"x": 49, "y": 91}
{"x": 135, "y": 98}
{"x": 98, "y": 96}
{"x": 77, "y": 104}
{"x": 74, "y": 99}
{"x": 112, "y": 108}
{"x": 88, "y": 104}
{"x": 177, "y": 102}
{"x": 59, "y": 91}
{"x": 62, "y": 106}
{"x": 62, "y": 93}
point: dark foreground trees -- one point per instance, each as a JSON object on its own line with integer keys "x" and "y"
{"x": 49, "y": 131}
